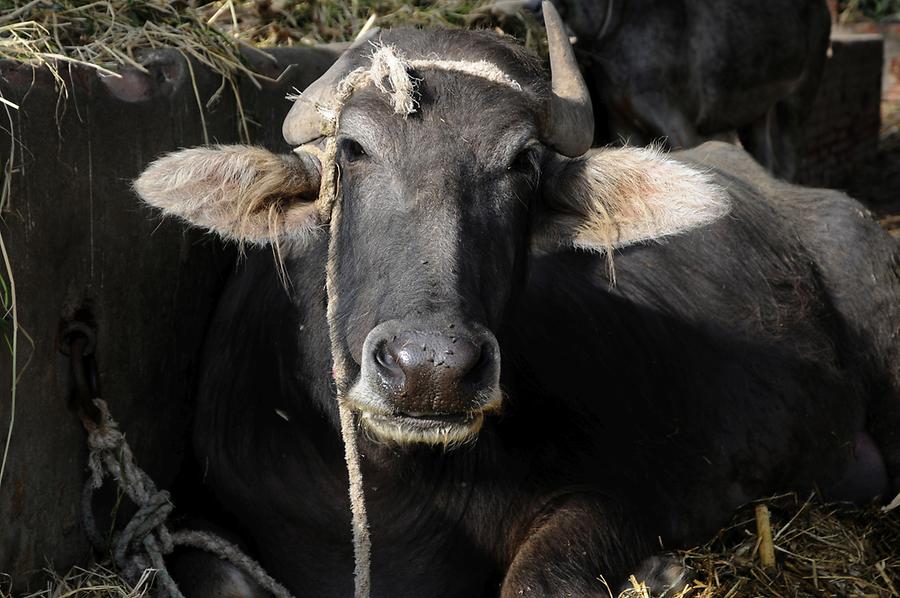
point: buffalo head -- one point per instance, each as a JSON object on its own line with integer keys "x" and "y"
{"x": 441, "y": 206}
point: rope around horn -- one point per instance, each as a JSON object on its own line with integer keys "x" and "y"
{"x": 386, "y": 64}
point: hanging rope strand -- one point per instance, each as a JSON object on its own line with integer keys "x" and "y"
{"x": 387, "y": 64}
{"x": 362, "y": 544}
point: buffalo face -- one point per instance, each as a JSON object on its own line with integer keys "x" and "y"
{"x": 439, "y": 210}
{"x": 432, "y": 241}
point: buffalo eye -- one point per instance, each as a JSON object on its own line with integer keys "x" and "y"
{"x": 352, "y": 151}
{"x": 525, "y": 162}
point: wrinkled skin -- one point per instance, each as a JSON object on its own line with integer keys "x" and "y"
{"x": 749, "y": 356}
{"x": 686, "y": 72}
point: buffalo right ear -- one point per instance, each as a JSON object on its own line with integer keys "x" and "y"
{"x": 242, "y": 193}
{"x": 614, "y": 197}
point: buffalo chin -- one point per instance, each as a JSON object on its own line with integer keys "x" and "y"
{"x": 437, "y": 430}
{"x": 382, "y": 423}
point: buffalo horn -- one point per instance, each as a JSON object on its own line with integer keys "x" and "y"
{"x": 304, "y": 123}
{"x": 569, "y": 119}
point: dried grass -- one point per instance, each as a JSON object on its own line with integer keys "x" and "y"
{"x": 279, "y": 23}
{"x": 95, "y": 582}
{"x": 821, "y": 550}
{"x": 107, "y": 35}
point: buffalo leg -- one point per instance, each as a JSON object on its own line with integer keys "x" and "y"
{"x": 582, "y": 548}
{"x": 668, "y": 121}
{"x": 772, "y": 140}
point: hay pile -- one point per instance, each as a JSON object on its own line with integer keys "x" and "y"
{"x": 821, "y": 550}
{"x": 106, "y": 34}
{"x": 269, "y": 23}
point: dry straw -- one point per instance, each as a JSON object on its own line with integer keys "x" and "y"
{"x": 820, "y": 550}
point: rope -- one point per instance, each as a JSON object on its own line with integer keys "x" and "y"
{"x": 386, "y": 64}
{"x": 362, "y": 543}
{"x": 146, "y": 538}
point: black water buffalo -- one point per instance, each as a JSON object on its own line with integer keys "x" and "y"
{"x": 528, "y": 426}
{"x": 692, "y": 71}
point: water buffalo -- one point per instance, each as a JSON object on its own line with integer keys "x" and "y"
{"x": 533, "y": 420}
{"x": 687, "y": 72}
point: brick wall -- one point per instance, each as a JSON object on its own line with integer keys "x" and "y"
{"x": 842, "y": 131}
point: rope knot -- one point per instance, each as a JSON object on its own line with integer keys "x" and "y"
{"x": 388, "y": 63}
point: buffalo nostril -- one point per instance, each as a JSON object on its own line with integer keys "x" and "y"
{"x": 385, "y": 360}
{"x": 433, "y": 372}
{"x": 481, "y": 369}
{"x": 387, "y": 363}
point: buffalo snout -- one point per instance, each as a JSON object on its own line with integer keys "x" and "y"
{"x": 421, "y": 384}
{"x": 436, "y": 372}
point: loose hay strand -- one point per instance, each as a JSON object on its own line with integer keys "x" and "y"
{"x": 764, "y": 533}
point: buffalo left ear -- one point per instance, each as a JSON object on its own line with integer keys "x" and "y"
{"x": 243, "y": 193}
{"x": 615, "y": 197}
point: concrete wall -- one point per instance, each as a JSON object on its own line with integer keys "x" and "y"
{"x": 79, "y": 242}
{"x": 842, "y": 131}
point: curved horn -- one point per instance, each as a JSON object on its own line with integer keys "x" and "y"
{"x": 569, "y": 122}
{"x": 304, "y": 123}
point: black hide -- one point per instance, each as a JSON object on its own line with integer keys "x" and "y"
{"x": 726, "y": 364}
{"x": 755, "y": 355}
